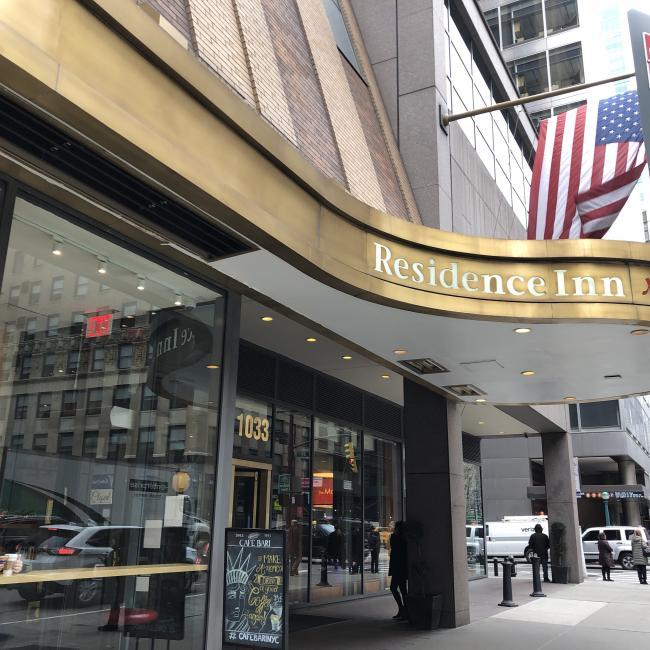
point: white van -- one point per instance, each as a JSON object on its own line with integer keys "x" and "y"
{"x": 510, "y": 535}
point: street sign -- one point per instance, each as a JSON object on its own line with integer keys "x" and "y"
{"x": 254, "y": 604}
{"x": 640, "y": 37}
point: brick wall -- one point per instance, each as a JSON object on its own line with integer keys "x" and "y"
{"x": 384, "y": 169}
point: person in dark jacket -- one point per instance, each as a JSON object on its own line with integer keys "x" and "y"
{"x": 336, "y": 547}
{"x": 373, "y": 546}
{"x": 539, "y": 544}
{"x": 398, "y": 569}
{"x": 640, "y": 561}
{"x": 605, "y": 556}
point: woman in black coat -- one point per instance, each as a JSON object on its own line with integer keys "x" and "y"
{"x": 398, "y": 569}
{"x": 605, "y": 557}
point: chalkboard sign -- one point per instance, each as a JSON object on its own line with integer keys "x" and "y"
{"x": 255, "y": 583}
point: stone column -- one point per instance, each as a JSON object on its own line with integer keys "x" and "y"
{"x": 627, "y": 469}
{"x": 435, "y": 497}
{"x": 557, "y": 450}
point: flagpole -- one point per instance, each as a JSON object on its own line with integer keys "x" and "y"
{"x": 452, "y": 117}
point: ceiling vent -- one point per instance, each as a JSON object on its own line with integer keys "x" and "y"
{"x": 464, "y": 390}
{"x": 423, "y": 366}
{"x": 612, "y": 377}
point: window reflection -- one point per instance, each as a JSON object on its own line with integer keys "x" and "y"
{"x": 97, "y": 474}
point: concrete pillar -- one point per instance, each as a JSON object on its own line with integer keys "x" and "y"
{"x": 627, "y": 469}
{"x": 557, "y": 450}
{"x": 435, "y": 497}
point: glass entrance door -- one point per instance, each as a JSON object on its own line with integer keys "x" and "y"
{"x": 245, "y": 498}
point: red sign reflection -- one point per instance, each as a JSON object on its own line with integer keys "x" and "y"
{"x": 98, "y": 326}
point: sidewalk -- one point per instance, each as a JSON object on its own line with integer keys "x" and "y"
{"x": 594, "y": 615}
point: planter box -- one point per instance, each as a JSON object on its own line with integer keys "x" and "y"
{"x": 560, "y": 574}
{"x": 424, "y": 611}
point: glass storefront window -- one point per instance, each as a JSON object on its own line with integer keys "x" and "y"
{"x": 95, "y": 484}
{"x": 521, "y": 21}
{"x": 290, "y": 503}
{"x": 337, "y": 508}
{"x": 382, "y": 493}
{"x": 474, "y": 520}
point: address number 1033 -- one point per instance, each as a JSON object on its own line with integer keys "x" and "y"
{"x": 253, "y": 426}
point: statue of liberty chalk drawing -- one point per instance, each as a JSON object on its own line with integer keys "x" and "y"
{"x": 276, "y": 614}
{"x": 238, "y": 573}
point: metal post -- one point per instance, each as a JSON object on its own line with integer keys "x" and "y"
{"x": 537, "y": 583}
{"x": 513, "y": 568}
{"x": 507, "y": 586}
{"x": 496, "y": 567}
{"x": 605, "y": 497}
{"x": 323, "y": 572}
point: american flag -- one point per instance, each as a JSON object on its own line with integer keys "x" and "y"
{"x": 587, "y": 163}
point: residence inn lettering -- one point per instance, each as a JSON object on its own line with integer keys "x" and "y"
{"x": 500, "y": 280}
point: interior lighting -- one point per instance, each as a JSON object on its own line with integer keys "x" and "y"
{"x": 480, "y": 400}
{"x": 346, "y": 357}
{"x": 522, "y": 330}
{"x": 481, "y": 422}
{"x": 101, "y": 266}
{"x": 385, "y": 376}
{"x": 570, "y": 398}
{"x": 267, "y": 319}
{"x": 212, "y": 366}
{"x": 56, "y": 247}
{"x": 400, "y": 351}
{"x": 179, "y": 300}
{"x": 140, "y": 286}
{"x": 527, "y": 373}
{"x": 311, "y": 339}
{"x": 639, "y": 332}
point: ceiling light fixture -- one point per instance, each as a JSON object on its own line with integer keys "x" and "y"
{"x": 267, "y": 319}
{"x": 639, "y": 332}
{"x": 101, "y": 265}
{"x": 212, "y": 366}
{"x": 522, "y": 330}
{"x": 311, "y": 339}
{"x": 480, "y": 400}
{"x": 501, "y": 432}
{"x": 57, "y": 247}
{"x": 385, "y": 376}
{"x": 570, "y": 398}
{"x": 346, "y": 357}
{"x": 481, "y": 422}
{"x": 527, "y": 373}
{"x": 140, "y": 286}
{"x": 399, "y": 351}
{"x": 178, "y": 300}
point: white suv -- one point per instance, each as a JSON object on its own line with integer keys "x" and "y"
{"x": 618, "y": 538}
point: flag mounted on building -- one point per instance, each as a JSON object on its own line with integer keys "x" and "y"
{"x": 587, "y": 163}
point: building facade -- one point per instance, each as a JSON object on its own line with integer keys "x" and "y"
{"x": 248, "y": 281}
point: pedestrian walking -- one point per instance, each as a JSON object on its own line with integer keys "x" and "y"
{"x": 539, "y": 544}
{"x": 605, "y": 556}
{"x": 336, "y": 547}
{"x": 639, "y": 559}
{"x": 398, "y": 570}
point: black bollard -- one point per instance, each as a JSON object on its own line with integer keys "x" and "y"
{"x": 496, "y": 567}
{"x": 507, "y": 586}
{"x": 323, "y": 572}
{"x": 513, "y": 571}
{"x": 537, "y": 583}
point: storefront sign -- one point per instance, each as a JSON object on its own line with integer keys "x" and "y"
{"x": 470, "y": 277}
{"x": 101, "y": 490}
{"x": 255, "y": 588}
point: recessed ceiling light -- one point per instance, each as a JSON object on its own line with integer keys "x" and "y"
{"x": 178, "y": 300}
{"x": 212, "y": 366}
{"x": 311, "y": 339}
{"x": 527, "y": 373}
{"x": 639, "y": 332}
{"x": 502, "y": 432}
{"x": 101, "y": 266}
{"x": 385, "y": 376}
{"x": 481, "y": 422}
{"x": 569, "y": 398}
{"x": 140, "y": 286}
{"x": 56, "y": 247}
{"x": 267, "y": 319}
{"x": 347, "y": 357}
{"x": 400, "y": 351}
{"x": 480, "y": 400}
{"x": 522, "y": 330}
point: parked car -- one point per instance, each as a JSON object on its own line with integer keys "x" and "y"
{"x": 15, "y": 530}
{"x": 618, "y": 538}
